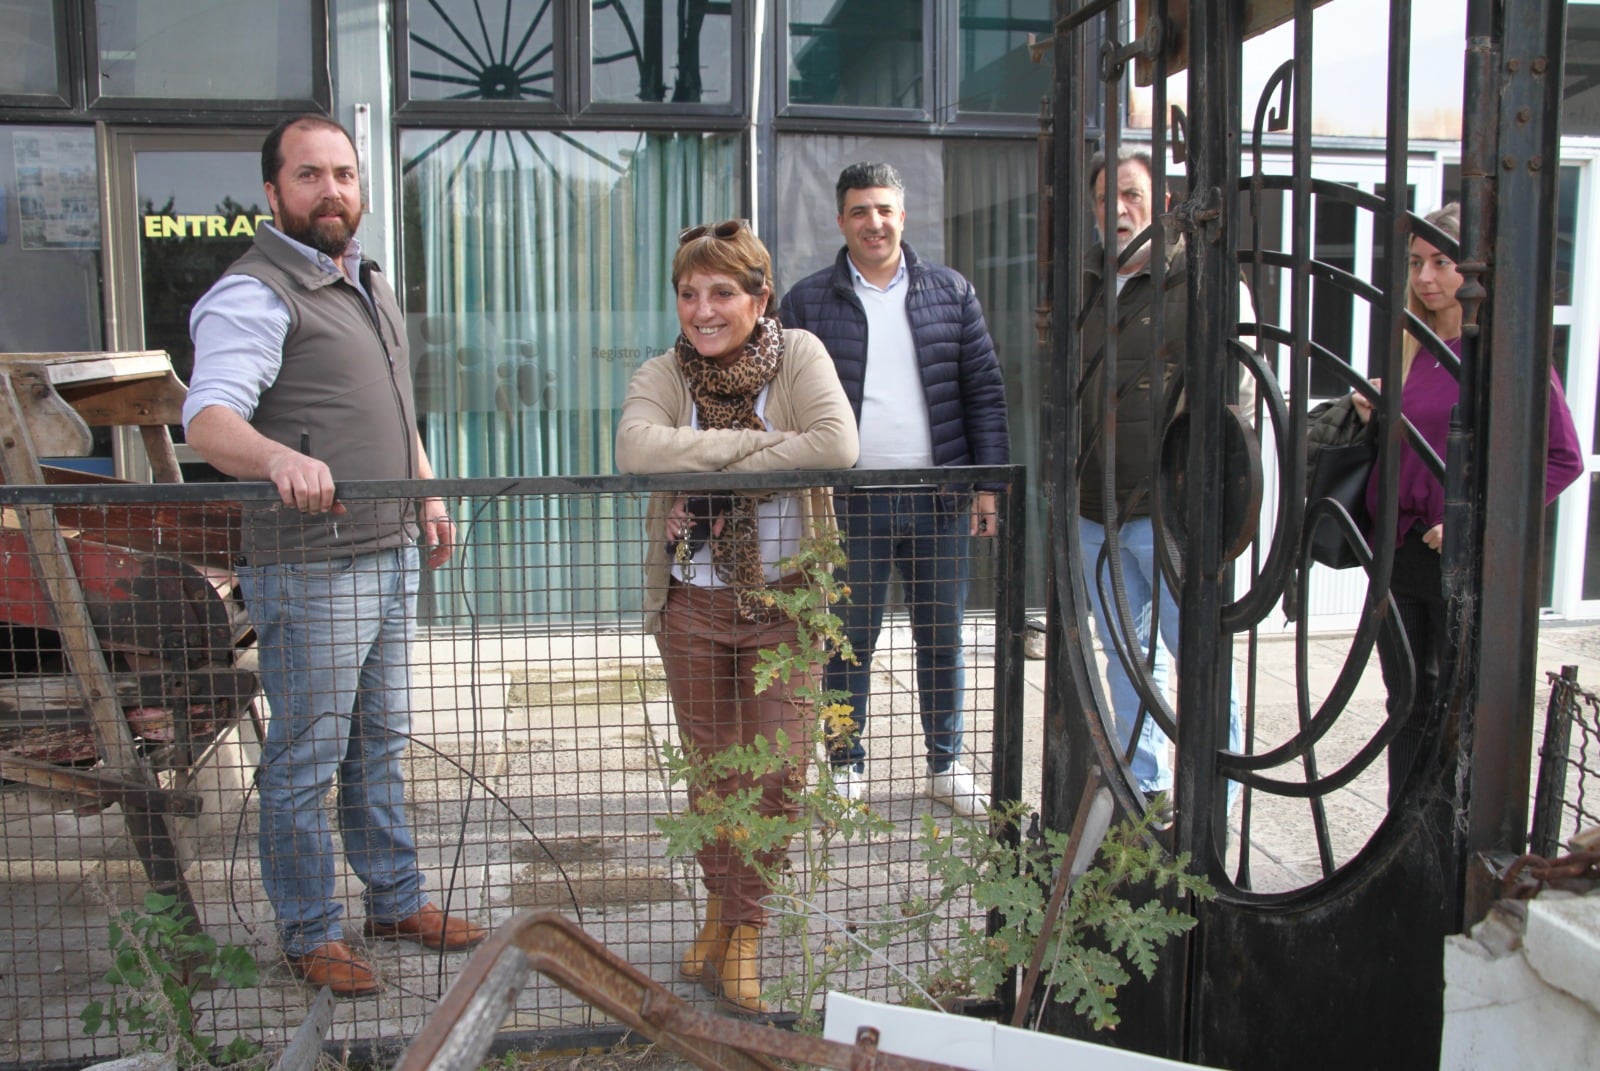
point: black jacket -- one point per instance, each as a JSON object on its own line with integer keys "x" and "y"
{"x": 961, "y": 381}
{"x": 1137, "y": 367}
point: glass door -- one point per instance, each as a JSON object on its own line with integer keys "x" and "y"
{"x": 1572, "y": 558}
{"x": 184, "y": 206}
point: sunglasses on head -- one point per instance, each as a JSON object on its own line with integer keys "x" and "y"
{"x": 724, "y": 230}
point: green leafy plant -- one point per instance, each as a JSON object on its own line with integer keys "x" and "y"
{"x": 158, "y": 964}
{"x": 1100, "y": 933}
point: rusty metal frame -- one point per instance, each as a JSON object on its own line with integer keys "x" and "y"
{"x": 461, "y": 1029}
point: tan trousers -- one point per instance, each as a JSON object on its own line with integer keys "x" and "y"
{"x": 709, "y": 654}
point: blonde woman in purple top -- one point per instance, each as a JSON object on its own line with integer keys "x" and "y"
{"x": 1428, "y": 393}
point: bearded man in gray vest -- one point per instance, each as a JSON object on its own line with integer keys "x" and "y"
{"x": 302, "y": 378}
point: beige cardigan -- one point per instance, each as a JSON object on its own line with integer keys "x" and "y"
{"x": 654, "y": 436}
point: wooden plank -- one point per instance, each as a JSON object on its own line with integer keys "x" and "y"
{"x": 105, "y": 365}
{"x": 103, "y": 788}
{"x": 54, "y": 428}
{"x": 142, "y": 402}
{"x": 163, "y": 458}
{"x": 53, "y": 700}
{"x": 305, "y": 1049}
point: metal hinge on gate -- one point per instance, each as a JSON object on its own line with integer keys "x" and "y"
{"x": 1200, "y": 214}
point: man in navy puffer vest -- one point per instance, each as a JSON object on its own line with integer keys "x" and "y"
{"x": 902, "y": 330}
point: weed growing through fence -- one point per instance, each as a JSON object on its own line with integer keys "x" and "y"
{"x": 1100, "y": 933}
{"x": 158, "y": 964}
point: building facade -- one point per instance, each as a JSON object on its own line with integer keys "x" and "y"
{"x": 529, "y": 165}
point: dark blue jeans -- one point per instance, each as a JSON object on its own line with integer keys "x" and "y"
{"x": 922, "y": 534}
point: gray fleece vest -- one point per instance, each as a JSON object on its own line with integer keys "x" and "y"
{"x": 343, "y": 395}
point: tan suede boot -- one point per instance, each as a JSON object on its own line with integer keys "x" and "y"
{"x": 708, "y": 947}
{"x": 739, "y": 975}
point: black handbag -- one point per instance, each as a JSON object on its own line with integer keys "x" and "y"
{"x": 1339, "y": 466}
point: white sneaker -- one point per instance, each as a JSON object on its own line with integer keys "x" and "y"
{"x": 956, "y": 789}
{"x": 848, "y": 784}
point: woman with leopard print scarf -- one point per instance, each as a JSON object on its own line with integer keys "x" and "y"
{"x": 736, "y": 393}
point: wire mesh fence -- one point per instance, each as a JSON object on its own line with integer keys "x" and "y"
{"x": 522, "y": 701}
{"x": 1567, "y": 788}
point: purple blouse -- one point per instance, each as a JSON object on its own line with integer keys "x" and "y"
{"x": 1430, "y": 392}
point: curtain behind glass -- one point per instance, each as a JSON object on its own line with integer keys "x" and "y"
{"x": 970, "y": 204}
{"x": 537, "y": 280}
{"x": 991, "y": 204}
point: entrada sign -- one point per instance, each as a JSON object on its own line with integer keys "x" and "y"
{"x": 202, "y": 226}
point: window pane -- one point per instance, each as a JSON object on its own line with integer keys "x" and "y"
{"x": 1580, "y": 105}
{"x": 480, "y": 49}
{"x": 538, "y": 269}
{"x": 215, "y": 49}
{"x": 49, "y": 239}
{"x": 1547, "y": 563}
{"x": 28, "y": 49}
{"x": 198, "y": 212}
{"x": 1566, "y": 232}
{"x": 856, "y": 54}
{"x": 1332, "y": 315}
{"x": 642, "y": 52}
{"x": 1591, "y": 553}
{"x": 997, "y": 74}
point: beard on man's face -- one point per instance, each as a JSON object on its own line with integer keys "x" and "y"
{"x": 330, "y": 237}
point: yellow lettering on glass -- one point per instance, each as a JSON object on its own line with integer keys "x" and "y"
{"x": 187, "y": 226}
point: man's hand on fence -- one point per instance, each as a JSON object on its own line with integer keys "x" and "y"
{"x": 438, "y": 531}
{"x": 984, "y": 520}
{"x": 302, "y": 482}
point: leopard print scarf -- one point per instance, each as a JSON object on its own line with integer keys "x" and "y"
{"x": 725, "y": 398}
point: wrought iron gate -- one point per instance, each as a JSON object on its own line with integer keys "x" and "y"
{"x": 1337, "y": 963}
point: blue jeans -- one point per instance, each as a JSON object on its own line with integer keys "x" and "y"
{"x": 1142, "y": 580}
{"x": 335, "y": 645}
{"x": 924, "y": 534}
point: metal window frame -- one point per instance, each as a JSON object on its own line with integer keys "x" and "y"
{"x": 923, "y": 115}
{"x": 949, "y": 82}
{"x": 741, "y": 58}
{"x": 482, "y": 113}
{"x": 571, "y": 104}
{"x": 64, "y": 98}
{"x": 166, "y": 110}
{"x": 78, "y": 69}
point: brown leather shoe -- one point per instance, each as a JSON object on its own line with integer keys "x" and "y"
{"x": 335, "y": 966}
{"x": 431, "y": 928}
